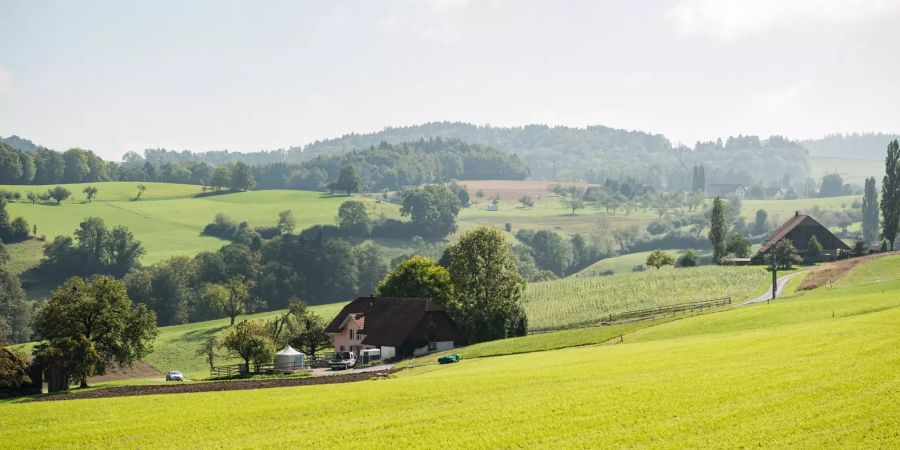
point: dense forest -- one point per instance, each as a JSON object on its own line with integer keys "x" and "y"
{"x": 597, "y": 153}
{"x": 382, "y": 166}
{"x": 855, "y": 145}
{"x": 394, "y": 166}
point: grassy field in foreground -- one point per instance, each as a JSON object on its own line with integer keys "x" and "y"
{"x": 571, "y": 301}
{"x": 175, "y": 346}
{"x": 808, "y": 380}
{"x": 172, "y": 227}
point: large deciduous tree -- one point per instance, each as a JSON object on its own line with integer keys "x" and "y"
{"x": 717, "y": 229}
{"x": 348, "y": 181}
{"x": 890, "y": 195}
{"x": 249, "y": 341}
{"x": 97, "y": 317}
{"x": 420, "y": 277}
{"x": 353, "y": 218}
{"x": 488, "y": 286}
{"x": 433, "y": 209}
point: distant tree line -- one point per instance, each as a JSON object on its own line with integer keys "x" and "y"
{"x": 396, "y": 166}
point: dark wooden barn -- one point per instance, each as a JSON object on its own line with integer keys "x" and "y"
{"x": 799, "y": 229}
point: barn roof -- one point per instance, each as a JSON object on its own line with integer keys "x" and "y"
{"x": 786, "y": 228}
{"x": 388, "y": 320}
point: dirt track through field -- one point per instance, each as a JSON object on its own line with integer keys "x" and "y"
{"x": 212, "y": 386}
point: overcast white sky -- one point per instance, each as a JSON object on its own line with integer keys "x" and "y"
{"x": 115, "y": 76}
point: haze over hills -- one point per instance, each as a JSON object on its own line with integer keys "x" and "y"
{"x": 591, "y": 154}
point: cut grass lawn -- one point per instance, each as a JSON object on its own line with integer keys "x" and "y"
{"x": 791, "y": 380}
{"x": 172, "y": 227}
{"x": 583, "y": 300}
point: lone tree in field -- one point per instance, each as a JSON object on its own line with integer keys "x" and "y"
{"x": 814, "y": 248}
{"x": 348, "y": 181}
{"x": 738, "y": 246}
{"x": 59, "y": 194}
{"x": 526, "y": 201}
{"x": 286, "y": 222}
{"x": 232, "y": 298}
{"x": 248, "y": 341}
{"x": 717, "y": 230}
{"x": 90, "y": 192}
{"x": 660, "y": 258}
{"x": 760, "y": 223}
{"x": 141, "y": 189}
{"x": 208, "y": 349}
{"x": 32, "y": 197}
{"x": 313, "y": 339}
{"x": 97, "y": 318}
{"x": 688, "y": 259}
{"x": 890, "y": 195}
{"x": 574, "y": 202}
{"x": 488, "y": 286}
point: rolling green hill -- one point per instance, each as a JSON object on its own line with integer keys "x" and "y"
{"x": 570, "y": 301}
{"x": 819, "y": 370}
{"x": 171, "y": 225}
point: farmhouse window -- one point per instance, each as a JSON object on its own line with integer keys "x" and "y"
{"x": 351, "y": 334}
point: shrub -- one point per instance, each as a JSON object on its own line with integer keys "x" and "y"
{"x": 688, "y": 259}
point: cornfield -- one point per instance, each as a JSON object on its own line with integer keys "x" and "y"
{"x": 573, "y": 301}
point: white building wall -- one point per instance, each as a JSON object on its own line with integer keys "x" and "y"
{"x": 388, "y": 352}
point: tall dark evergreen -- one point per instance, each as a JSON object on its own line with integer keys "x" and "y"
{"x": 890, "y": 194}
{"x": 698, "y": 182}
{"x": 718, "y": 229}
{"x": 870, "y": 212}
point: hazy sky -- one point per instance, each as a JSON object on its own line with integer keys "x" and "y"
{"x": 115, "y": 76}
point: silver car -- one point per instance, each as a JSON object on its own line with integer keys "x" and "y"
{"x": 174, "y": 375}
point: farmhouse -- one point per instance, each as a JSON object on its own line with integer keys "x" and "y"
{"x": 799, "y": 229}
{"x": 722, "y": 190}
{"x": 394, "y": 327}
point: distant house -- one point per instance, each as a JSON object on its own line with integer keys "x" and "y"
{"x": 724, "y": 190}
{"x": 493, "y": 207}
{"x": 775, "y": 193}
{"x": 799, "y": 229}
{"x": 394, "y": 327}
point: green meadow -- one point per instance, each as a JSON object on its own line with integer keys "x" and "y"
{"x": 627, "y": 262}
{"x": 170, "y": 225}
{"x": 821, "y": 369}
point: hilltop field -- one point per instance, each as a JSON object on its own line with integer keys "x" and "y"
{"x": 818, "y": 368}
{"x": 169, "y": 218}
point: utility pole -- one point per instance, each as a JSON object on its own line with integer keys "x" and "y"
{"x": 774, "y": 273}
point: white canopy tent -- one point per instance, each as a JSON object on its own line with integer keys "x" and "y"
{"x": 290, "y": 359}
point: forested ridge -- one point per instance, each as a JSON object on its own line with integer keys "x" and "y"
{"x": 438, "y": 151}
{"x": 853, "y": 145}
